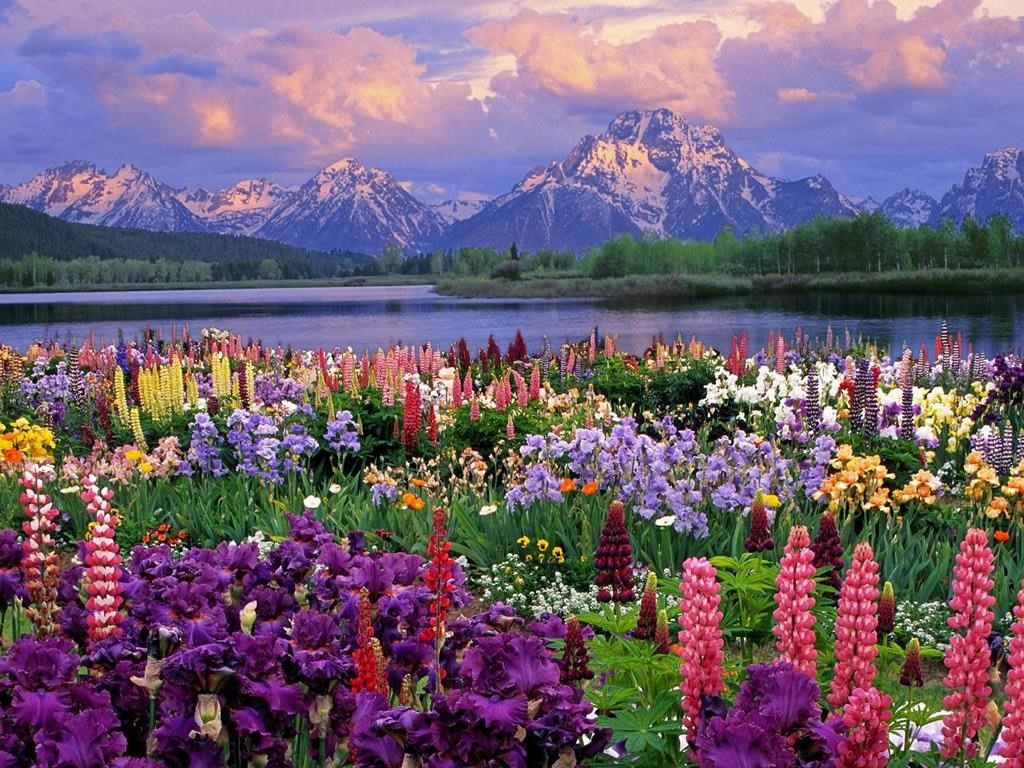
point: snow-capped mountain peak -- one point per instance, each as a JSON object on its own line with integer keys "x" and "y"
{"x": 650, "y": 171}
{"x": 347, "y": 205}
{"x": 909, "y": 207}
{"x": 457, "y": 210}
{"x": 997, "y": 187}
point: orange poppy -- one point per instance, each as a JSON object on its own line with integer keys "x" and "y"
{"x": 13, "y": 456}
{"x": 590, "y": 488}
{"x": 568, "y": 485}
{"x": 1001, "y": 536}
{"x": 418, "y": 483}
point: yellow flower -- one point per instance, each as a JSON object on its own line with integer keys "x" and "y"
{"x": 542, "y": 545}
{"x": 134, "y": 454}
{"x": 771, "y": 500}
{"x": 523, "y": 541}
{"x": 558, "y": 555}
{"x": 145, "y": 467}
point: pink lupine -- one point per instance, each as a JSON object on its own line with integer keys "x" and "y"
{"x": 510, "y": 428}
{"x": 39, "y": 565}
{"x": 856, "y": 621}
{"x": 522, "y": 390}
{"x": 467, "y": 387}
{"x": 348, "y": 371}
{"x": 867, "y": 721}
{"x": 794, "y": 621}
{"x": 456, "y": 392}
{"x": 474, "y": 410}
{"x": 535, "y": 383}
{"x": 967, "y": 655}
{"x": 500, "y": 403}
{"x": 102, "y": 578}
{"x": 780, "y": 354}
{"x": 1012, "y": 751}
{"x": 700, "y": 641}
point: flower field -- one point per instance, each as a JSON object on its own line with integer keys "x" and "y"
{"x": 219, "y": 553}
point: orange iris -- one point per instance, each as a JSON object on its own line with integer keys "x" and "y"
{"x": 1001, "y": 536}
{"x": 590, "y": 488}
{"x": 568, "y": 485}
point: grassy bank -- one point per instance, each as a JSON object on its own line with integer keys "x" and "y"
{"x": 324, "y": 282}
{"x": 932, "y": 281}
{"x": 646, "y": 286}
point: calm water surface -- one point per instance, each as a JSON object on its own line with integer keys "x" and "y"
{"x": 372, "y": 316}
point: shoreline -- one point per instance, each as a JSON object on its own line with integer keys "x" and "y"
{"x": 932, "y": 281}
{"x": 319, "y": 282}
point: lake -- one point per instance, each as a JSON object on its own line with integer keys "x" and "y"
{"x": 365, "y": 317}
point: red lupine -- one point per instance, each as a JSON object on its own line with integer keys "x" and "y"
{"x": 575, "y": 659}
{"x": 614, "y": 558}
{"x": 367, "y": 656}
{"x": 647, "y": 617}
{"x": 432, "y": 423}
{"x": 412, "y": 414}
{"x": 967, "y": 655}
{"x": 439, "y": 579}
{"x": 856, "y": 621}
{"x": 794, "y": 620}
{"x": 760, "y": 536}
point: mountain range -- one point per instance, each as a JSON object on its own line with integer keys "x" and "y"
{"x": 649, "y": 172}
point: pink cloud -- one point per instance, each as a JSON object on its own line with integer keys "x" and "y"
{"x": 560, "y": 56}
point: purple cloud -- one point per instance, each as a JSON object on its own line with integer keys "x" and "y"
{"x": 451, "y": 97}
{"x": 48, "y": 41}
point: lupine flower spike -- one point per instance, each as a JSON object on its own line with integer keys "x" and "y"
{"x": 760, "y": 536}
{"x": 794, "y": 620}
{"x": 856, "y": 622}
{"x": 967, "y": 655}
{"x": 102, "y": 580}
{"x": 700, "y": 639}
{"x": 867, "y": 721}
{"x": 439, "y": 579}
{"x": 39, "y": 565}
{"x": 1012, "y": 752}
{"x": 575, "y": 659}
{"x": 614, "y": 558}
{"x": 647, "y": 617}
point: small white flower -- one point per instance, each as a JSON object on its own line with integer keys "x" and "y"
{"x": 666, "y": 521}
{"x": 312, "y": 502}
{"x": 488, "y": 509}
{"x": 334, "y": 488}
{"x": 71, "y": 489}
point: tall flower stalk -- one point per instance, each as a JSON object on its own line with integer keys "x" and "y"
{"x": 856, "y": 622}
{"x": 1012, "y": 752}
{"x": 866, "y": 718}
{"x": 39, "y": 565}
{"x": 439, "y": 579}
{"x": 967, "y": 656}
{"x": 700, "y": 639}
{"x": 102, "y": 579}
{"x": 794, "y": 620}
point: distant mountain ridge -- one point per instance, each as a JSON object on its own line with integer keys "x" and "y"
{"x": 648, "y": 172}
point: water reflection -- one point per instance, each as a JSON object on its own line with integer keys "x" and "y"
{"x": 367, "y": 317}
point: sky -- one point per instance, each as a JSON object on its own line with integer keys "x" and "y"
{"x": 461, "y": 98}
